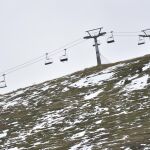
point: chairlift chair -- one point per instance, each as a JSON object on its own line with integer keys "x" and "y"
{"x": 64, "y": 57}
{"x": 111, "y": 38}
{"x": 48, "y": 60}
{"x": 3, "y": 82}
{"x": 141, "y": 40}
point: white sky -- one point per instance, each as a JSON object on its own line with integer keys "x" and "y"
{"x": 29, "y": 28}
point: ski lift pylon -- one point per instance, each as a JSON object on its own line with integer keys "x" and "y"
{"x": 3, "y": 82}
{"x": 48, "y": 60}
{"x": 64, "y": 57}
{"x": 111, "y": 38}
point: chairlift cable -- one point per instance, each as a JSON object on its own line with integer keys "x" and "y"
{"x": 18, "y": 66}
{"x": 127, "y": 32}
{"x": 56, "y": 51}
{"x": 24, "y": 66}
{"x": 125, "y": 35}
{"x": 62, "y": 47}
{"x": 38, "y": 59}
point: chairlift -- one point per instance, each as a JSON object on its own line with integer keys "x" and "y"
{"x": 64, "y": 57}
{"x": 141, "y": 40}
{"x": 48, "y": 60}
{"x": 111, "y": 38}
{"x": 3, "y": 82}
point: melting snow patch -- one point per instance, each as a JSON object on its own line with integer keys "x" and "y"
{"x": 125, "y": 137}
{"x": 146, "y": 148}
{"x": 4, "y": 134}
{"x": 45, "y": 88}
{"x": 137, "y": 84}
{"x": 100, "y": 110}
{"x": 128, "y": 148}
{"x": 92, "y": 95}
{"x": 39, "y": 126}
{"x": 15, "y": 148}
{"x": 2, "y": 103}
{"x": 147, "y": 66}
{"x": 110, "y": 69}
{"x": 48, "y": 120}
{"x": 65, "y": 89}
{"x": 10, "y": 104}
{"x": 38, "y": 143}
{"x": 17, "y": 93}
{"x": 98, "y": 122}
{"x": 81, "y": 146}
{"x": 121, "y": 82}
{"x": 64, "y": 82}
{"x": 95, "y": 79}
{"x": 80, "y": 134}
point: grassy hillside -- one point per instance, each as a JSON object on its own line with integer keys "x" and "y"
{"x": 99, "y": 108}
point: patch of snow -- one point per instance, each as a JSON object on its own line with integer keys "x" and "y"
{"x": 98, "y": 122}
{"x": 81, "y": 146}
{"x": 25, "y": 103}
{"x": 15, "y": 148}
{"x": 147, "y": 148}
{"x": 39, "y": 126}
{"x": 145, "y": 97}
{"x": 137, "y": 84}
{"x": 121, "y": 113}
{"x": 93, "y": 95}
{"x": 38, "y": 143}
{"x": 110, "y": 69}
{"x": 95, "y": 79}
{"x": 125, "y": 137}
{"x": 100, "y": 110}
{"x": 64, "y": 82}
{"x": 147, "y": 66}
{"x": 45, "y": 88}
{"x": 98, "y": 78}
{"x": 10, "y": 104}
{"x": 128, "y": 148}
{"x": 101, "y": 129}
{"x": 84, "y": 106}
{"x": 14, "y": 123}
{"x": 66, "y": 128}
{"x": 133, "y": 77}
{"x": 65, "y": 89}
{"x": 121, "y": 82}
{"x": 17, "y": 93}
{"x": 75, "y": 147}
{"x": 80, "y": 134}
{"x": 48, "y": 119}
{"x": 53, "y": 86}
{"x": 4, "y": 134}
{"x": 2, "y": 103}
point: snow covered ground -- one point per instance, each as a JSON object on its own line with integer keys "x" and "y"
{"x": 98, "y": 110}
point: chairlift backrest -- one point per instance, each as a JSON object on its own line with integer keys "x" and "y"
{"x": 111, "y": 38}
{"x": 3, "y": 85}
{"x": 64, "y": 57}
{"x": 141, "y": 40}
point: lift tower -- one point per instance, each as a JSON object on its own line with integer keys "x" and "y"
{"x": 95, "y": 36}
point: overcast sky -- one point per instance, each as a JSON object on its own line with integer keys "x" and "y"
{"x": 30, "y": 28}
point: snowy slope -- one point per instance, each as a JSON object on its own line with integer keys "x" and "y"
{"x": 93, "y": 109}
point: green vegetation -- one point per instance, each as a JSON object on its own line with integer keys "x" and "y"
{"x": 60, "y": 117}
